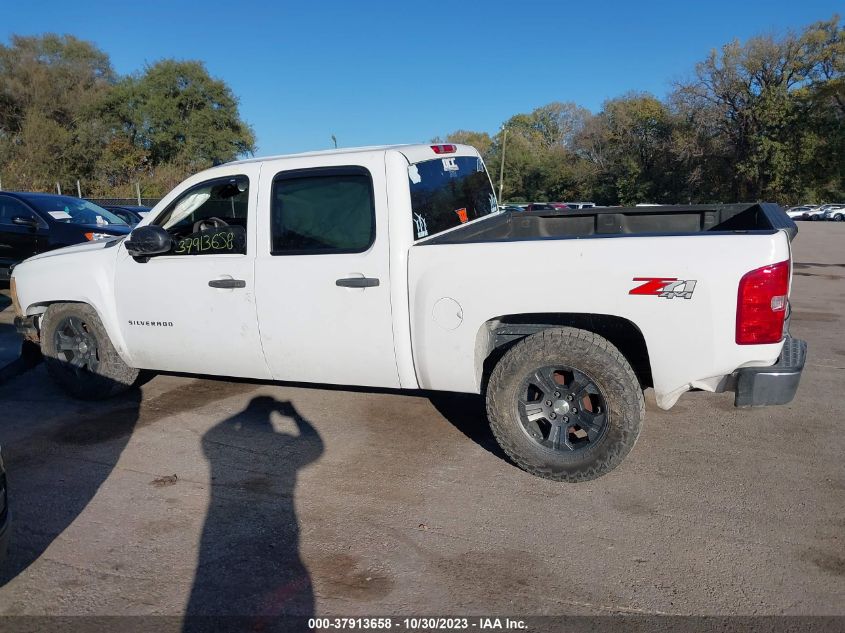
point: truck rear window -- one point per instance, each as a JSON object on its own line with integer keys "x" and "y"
{"x": 447, "y": 192}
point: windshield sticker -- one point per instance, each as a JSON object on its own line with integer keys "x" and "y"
{"x": 60, "y": 215}
{"x": 414, "y": 174}
{"x": 449, "y": 164}
{"x": 422, "y": 228}
{"x": 479, "y": 164}
{"x": 462, "y": 214}
{"x": 493, "y": 206}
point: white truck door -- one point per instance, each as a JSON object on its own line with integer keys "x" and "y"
{"x": 323, "y": 274}
{"x": 193, "y": 309}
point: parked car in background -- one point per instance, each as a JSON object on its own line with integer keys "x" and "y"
{"x": 31, "y": 223}
{"x": 834, "y": 212}
{"x": 129, "y": 214}
{"x": 580, "y": 205}
{"x": 511, "y": 207}
{"x": 800, "y": 212}
{"x": 815, "y": 214}
{"x": 539, "y": 206}
{"x": 560, "y": 206}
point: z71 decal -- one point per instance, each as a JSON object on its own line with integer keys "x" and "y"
{"x": 666, "y": 287}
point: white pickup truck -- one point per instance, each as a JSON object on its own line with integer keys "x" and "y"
{"x": 393, "y": 267}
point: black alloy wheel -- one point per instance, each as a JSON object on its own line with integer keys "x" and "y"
{"x": 562, "y": 409}
{"x": 76, "y": 345}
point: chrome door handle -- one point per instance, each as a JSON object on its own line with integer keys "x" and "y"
{"x": 357, "y": 282}
{"x": 227, "y": 283}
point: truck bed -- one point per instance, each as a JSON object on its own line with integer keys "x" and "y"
{"x": 622, "y": 221}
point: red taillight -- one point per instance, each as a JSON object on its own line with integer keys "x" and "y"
{"x": 444, "y": 149}
{"x": 89, "y": 236}
{"x": 761, "y": 304}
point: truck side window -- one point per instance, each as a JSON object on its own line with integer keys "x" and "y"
{"x": 322, "y": 211}
{"x": 210, "y": 218}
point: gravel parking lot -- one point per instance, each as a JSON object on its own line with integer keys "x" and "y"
{"x": 208, "y": 496}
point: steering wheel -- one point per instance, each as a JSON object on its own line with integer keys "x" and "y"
{"x": 209, "y": 223}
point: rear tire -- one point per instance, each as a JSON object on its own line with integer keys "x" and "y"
{"x": 838, "y": 217}
{"x": 79, "y": 355}
{"x": 544, "y": 438}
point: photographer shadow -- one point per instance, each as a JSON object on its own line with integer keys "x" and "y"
{"x": 249, "y": 573}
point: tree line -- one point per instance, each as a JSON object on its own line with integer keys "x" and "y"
{"x": 757, "y": 120}
{"x": 66, "y": 115}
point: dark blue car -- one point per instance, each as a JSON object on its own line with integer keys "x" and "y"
{"x": 31, "y": 223}
{"x": 130, "y": 214}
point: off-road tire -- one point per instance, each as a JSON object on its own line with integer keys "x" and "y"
{"x": 112, "y": 375}
{"x": 612, "y": 374}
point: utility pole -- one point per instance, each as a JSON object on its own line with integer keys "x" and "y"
{"x": 138, "y": 191}
{"x": 334, "y": 140}
{"x": 502, "y": 166}
{"x": 58, "y": 188}
{"x": 78, "y": 190}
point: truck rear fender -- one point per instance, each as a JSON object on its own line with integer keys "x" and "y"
{"x": 497, "y": 335}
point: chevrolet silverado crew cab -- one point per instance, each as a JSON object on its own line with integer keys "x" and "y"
{"x": 393, "y": 267}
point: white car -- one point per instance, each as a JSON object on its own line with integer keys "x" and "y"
{"x": 392, "y": 267}
{"x": 801, "y": 212}
{"x": 816, "y": 213}
{"x": 834, "y": 212}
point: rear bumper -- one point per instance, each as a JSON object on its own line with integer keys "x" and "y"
{"x": 761, "y": 386}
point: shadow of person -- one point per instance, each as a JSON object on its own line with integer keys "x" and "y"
{"x": 249, "y": 573}
{"x": 55, "y": 469}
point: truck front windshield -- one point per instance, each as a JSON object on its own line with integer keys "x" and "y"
{"x": 448, "y": 192}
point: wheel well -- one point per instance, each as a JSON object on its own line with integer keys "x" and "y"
{"x": 498, "y": 335}
{"x": 41, "y": 307}
{"x": 38, "y": 310}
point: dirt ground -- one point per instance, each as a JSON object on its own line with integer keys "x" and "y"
{"x": 208, "y": 496}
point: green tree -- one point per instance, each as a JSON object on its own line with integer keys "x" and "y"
{"x": 179, "y": 114}
{"x": 627, "y": 146}
{"x": 50, "y": 89}
{"x": 753, "y": 97}
{"x": 479, "y": 140}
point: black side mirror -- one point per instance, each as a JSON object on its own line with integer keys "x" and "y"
{"x": 148, "y": 240}
{"x": 22, "y": 221}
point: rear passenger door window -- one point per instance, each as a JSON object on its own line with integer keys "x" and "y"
{"x": 322, "y": 211}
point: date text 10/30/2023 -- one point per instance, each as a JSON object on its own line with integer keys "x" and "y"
{"x": 418, "y": 624}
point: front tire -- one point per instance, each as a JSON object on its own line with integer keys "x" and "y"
{"x": 79, "y": 355}
{"x": 564, "y": 404}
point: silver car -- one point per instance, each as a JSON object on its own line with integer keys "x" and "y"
{"x": 834, "y": 212}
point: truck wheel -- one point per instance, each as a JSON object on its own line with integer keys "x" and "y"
{"x": 838, "y": 217}
{"x": 564, "y": 404}
{"x": 79, "y": 355}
